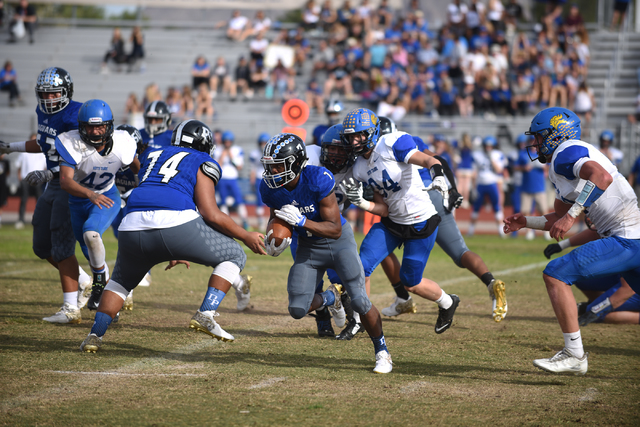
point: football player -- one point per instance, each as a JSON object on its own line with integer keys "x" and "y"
{"x": 231, "y": 160}
{"x": 90, "y": 158}
{"x": 52, "y": 232}
{"x": 157, "y": 119}
{"x": 584, "y": 178}
{"x": 172, "y": 216}
{"x": 304, "y": 197}
{"x": 408, "y": 215}
{"x": 255, "y": 176}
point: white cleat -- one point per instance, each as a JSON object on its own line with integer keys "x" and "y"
{"x": 337, "y": 310}
{"x": 146, "y": 280}
{"x": 564, "y": 361}
{"x": 243, "y": 293}
{"x": 203, "y": 321}
{"x": 128, "y": 302}
{"x": 67, "y": 314}
{"x": 91, "y": 343}
{"x": 84, "y": 292}
{"x": 399, "y": 306}
{"x": 384, "y": 365}
{"x": 498, "y": 294}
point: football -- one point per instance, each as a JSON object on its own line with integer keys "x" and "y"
{"x": 278, "y": 229}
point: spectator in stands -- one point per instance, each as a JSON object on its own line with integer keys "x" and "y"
{"x": 465, "y": 98}
{"x": 444, "y": 97}
{"x": 314, "y": 96}
{"x": 619, "y": 12}
{"x": 258, "y": 46}
{"x": 200, "y": 72}
{"x": 116, "y": 51}
{"x": 242, "y": 84}
{"x": 24, "y": 17}
{"x": 310, "y": 15}
{"x": 383, "y": 16}
{"x": 174, "y": 102}
{"x": 346, "y": 13}
{"x": 220, "y": 78}
{"x": 279, "y": 78}
{"x": 188, "y": 104}
{"x": 513, "y": 13}
{"x": 1, "y": 13}
{"x": 9, "y": 83}
{"x": 28, "y": 162}
{"x": 573, "y": 21}
{"x": 137, "y": 48}
{"x": 291, "y": 90}
{"x": 322, "y": 57}
{"x": 236, "y": 25}
{"x": 260, "y": 25}
{"x": 301, "y": 47}
{"x": 495, "y": 13}
{"x": 151, "y": 93}
{"x": 328, "y": 15}
{"x": 204, "y": 104}
{"x": 338, "y": 78}
{"x": 259, "y": 77}
{"x": 456, "y": 14}
{"x": 521, "y": 94}
{"x": 134, "y": 112}
{"x": 584, "y": 105}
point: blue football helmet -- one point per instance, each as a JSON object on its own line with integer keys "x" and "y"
{"x": 54, "y": 80}
{"x": 607, "y": 137}
{"x": 228, "y": 136}
{"x": 361, "y": 121}
{"x": 387, "y": 125}
{"x": 193, "y": 134}
{"x": 554, "y": 125}
{"x": 95, "y": 112}
{"x": 263, "y": 138}
{"x": 490, "y": 141}
{"x": 334, "y": 151}
{"x": 283, "y": 158}
{"x": 135, "y": 134}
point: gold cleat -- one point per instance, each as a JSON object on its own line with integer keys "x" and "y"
{"x": 400, "y": 306}
{"x": 128, "y": 302}
{"x": 91, "y": 344}
{"x": 203, "y": 321}
{"x": 498, "y": 294}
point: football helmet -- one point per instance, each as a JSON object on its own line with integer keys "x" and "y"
{"x": 606, "y": 137}
{"x": 365, "y": 122}
{"x": 554, "y": 126}
{"x": 263, "y": 138}
{"x": 489, "y": 141}
{"x": 227, "y": 135}
{"x": 135, "y": 133}
{"x": 387, "y": 125}
{"x": 333, "y": 110}
{"x": 54, "y": 80}
{"x": 334, "y": 151}
{"x": 95, "y": 112}
{"x": 157, "y": 109}
{"x": 283, "y": 158}
{"x": 193, "y": 134}
{"x": 522, "y": 139}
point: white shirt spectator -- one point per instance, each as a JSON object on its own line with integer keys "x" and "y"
{"x": 29, "y": 162}
{"x": 238, "y": 22}
{"x": 457, "y": 12}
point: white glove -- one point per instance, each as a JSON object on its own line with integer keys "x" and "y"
{"x": 5, "y": 148}
{"x": 36, "y": 178}
{"x": 353, "y": 190}
{"x": 292, "y": 215}
{"x": 274, "y": 250}
{"x": 439, "y": 184}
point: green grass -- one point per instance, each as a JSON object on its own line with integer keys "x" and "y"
{"x": 153, "y": 370}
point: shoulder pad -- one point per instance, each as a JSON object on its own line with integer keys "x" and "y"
{"x": 212, "y": 170}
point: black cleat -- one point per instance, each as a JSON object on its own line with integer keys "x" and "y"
{"x": 323, "y": 321}
{"x": 350, "y": 331}
{"x": 445, "y": 316}
{"x": 99, "y": 282}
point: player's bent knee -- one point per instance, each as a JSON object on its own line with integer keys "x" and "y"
{"x": 92, "y": 239}
{"x": 361, "y": 305}
{"x": 297, "y": 312}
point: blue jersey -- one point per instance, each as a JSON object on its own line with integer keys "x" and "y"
{"x": 52, "y": 125}
{"x": 167, "y": 180}
{"x": 318, "y": 131}
{"x": 126, "y": 180}
{"x": 315, "y": 184}
{"x": 158, "y": 141}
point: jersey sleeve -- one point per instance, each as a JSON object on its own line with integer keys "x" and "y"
{"x": 567, "y": 162}
{"x": 325, "y": 182}
{"x": 66, "y": 151}
{"x": 403, "y": 148}
{"x": 70, "y": 117}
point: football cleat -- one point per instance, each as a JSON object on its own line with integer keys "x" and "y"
{"x": 91, "y": 343}
{"x": 400, "y": 306}
{"x": 564, "y": 361}
{"x": 384, "y": 365}
{"x": 498, "y": 295}
{"x": 203, "y": 321}
{"x": 243, "y": 293}
{"x": 67, "y": 314}
{"x": 323, "y": 322}
{"x": 99, "y": 282}
{"x": 128, "y": 302}
{"x": 445, "y": 316}
{"x": 336, "y": 310}
{"x": 350, "y": 331}
{"x": 84, "y": 292}
{"x": 146, "y": 280}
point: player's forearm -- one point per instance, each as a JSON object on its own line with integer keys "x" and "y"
{"x": 583, "y": 237}
{"x": 621, "y": 296}
{"x": 75, "y": 189}
{"x": 326, "y": 229}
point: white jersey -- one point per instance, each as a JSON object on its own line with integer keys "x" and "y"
{"x": 230, "y": 164}
{"x": 397, "y": 181}
{"x": 313, "y": 154}
{"x": 616, "y": 212}
{"x": 489, "y": 166}
{"x": 256, "y": 165}
{"x": 93, "y": 171}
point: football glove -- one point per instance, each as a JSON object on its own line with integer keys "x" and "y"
{"x": 4, "y": 147}
{"x": 454, "y": 200}
{"x": 35, "y": 178}
{"x": 553, "y": 248}
{"x": 354, "y": 192}
{"x": 274, "y": 250}
{"x": 439, "y": 184}
{"x": 596, "y": 313}
{"x": 292, "y": 215}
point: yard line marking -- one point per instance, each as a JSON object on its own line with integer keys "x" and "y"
{"x": 267, "y": 383}
{"x": 124, "y": 374}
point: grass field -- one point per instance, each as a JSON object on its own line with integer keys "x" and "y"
{"x": 153, "y": 370}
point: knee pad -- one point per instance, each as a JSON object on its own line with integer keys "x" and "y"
{"x": 361, "y": 305}
{"x": 297, "y": 312}
{"x": 92, "y": 239}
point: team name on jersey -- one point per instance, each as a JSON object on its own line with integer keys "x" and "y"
{"x": 46, "y": 129}
{"x": 304, "y": 209}
{"x": 121, "y": 182}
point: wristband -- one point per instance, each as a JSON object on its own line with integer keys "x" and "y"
{"x": 564, "y": 244}
{"x": 364, "y": 205}
{"x": 536, "y": 222}
{"x": 436, "y": 170}
{"x": 576, "y": 210}
{"x": 19, "y": 147}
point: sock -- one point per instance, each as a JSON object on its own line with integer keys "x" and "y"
{"x": 346, "y": 303}
{"x": 487, "y": 278}
{"x": 71, "y": 298}
{"x": 356, "y": 317}
{"x": 101, "y": 324}
{"x": 401, "y": 292}
{"x": 444, "y": 301}
{"x": 328, "y": 298}
{"x": 212, "y": 299}
{"x": 573, "y": 343}
{"x": 104, "y": 270}
{"x": 237, "y": 283}
{"x": 83, "y": 276}
{"x": 379, "y": 343}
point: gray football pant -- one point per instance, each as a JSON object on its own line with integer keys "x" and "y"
{"x": 449, "y": 237}
{"x": 313, "y": 258}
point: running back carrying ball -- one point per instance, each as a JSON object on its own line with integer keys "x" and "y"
{"x": 278, "y": 229}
